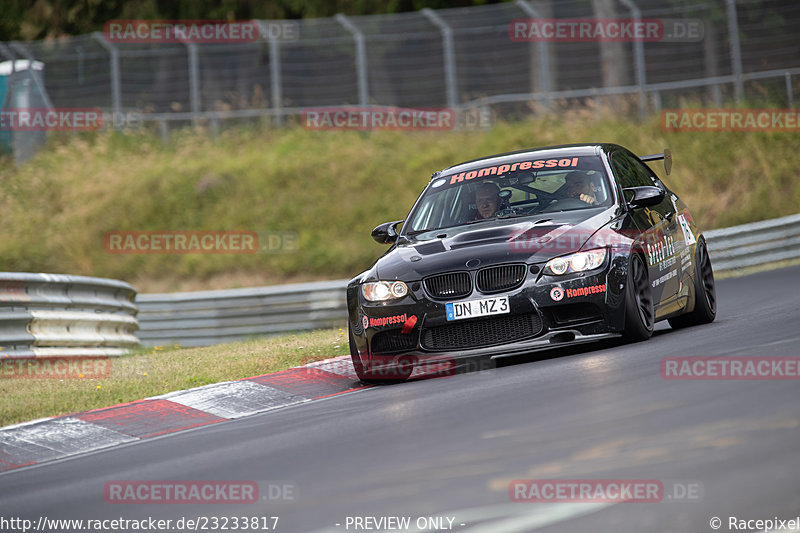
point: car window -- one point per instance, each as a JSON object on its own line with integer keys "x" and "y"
{"x": 519, "y": 188}
{"x": 437, "y": 210}
{"x": 629, "y": 171}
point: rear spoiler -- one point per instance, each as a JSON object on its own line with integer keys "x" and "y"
{"x": 666, "y": 156}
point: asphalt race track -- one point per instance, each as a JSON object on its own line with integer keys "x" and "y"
{"x": 449, "y": 447}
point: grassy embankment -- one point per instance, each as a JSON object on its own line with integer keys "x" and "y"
{"x": 331, "y": 188}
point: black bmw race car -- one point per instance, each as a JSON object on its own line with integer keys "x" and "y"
{"x": 529, "y": 250}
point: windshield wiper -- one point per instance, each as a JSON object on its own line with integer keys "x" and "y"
{"x": 475, "y": 221}
{"x": 514, "y": 215}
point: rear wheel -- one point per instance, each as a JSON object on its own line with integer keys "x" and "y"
{"x": 705, "y": 293}
{"x": 639, "y": 314}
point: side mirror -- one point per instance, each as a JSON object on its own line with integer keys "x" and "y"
{"x": 386, "y": 233}
{"x": 646, "y": 196}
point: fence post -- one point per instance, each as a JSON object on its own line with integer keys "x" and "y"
{"x": 736, "y": 52}
{"x": 275, "y": 77}
{"x": 113, "y": 52}
{"x": 361, "y": 58}
{"x": 711, "y": 59}
{"x": 449, "y": 56}
{"x": 79, "y": 49}
{"x": 656, "y": 95}
{"x": 544, "y": 57}
{"x": 638, "y": 51}
{"x": 194, "y": 80}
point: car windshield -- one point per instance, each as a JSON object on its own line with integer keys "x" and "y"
{"x": 520, "y": 188}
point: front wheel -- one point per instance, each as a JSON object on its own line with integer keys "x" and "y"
{"x": 705, "y": 293}
{"x": 639, "y": 314}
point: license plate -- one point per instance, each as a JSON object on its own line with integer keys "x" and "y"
{"x": 475, "y": 308}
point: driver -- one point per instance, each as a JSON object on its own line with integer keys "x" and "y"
{"x": 579, "y": 185}
{"x": 487, "y": 200}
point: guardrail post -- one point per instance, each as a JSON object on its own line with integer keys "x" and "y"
{"x": 544, "y": 56}
{"x": 638, "y": 51}
{"x": 361, "y": 58}
{"x": 116, "y": 95}
{"x": 449, "y": 56}
{"x": 789, "y": 92}
{"x": 736, "y": 52}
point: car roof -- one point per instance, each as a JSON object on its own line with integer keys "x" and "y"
{"x": 545, "y": 152}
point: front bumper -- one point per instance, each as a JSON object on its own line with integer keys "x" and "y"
{"x": 545, "y": 312}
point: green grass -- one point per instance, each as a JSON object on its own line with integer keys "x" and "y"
{"x": 331, "y": 188}
{"x": 159, "y": 370}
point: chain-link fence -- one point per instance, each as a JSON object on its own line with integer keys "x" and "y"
{"x": 457, "y": 58}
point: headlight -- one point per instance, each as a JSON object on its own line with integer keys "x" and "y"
{"x": 579, "y": 262}
{"x": 381, "y": 291}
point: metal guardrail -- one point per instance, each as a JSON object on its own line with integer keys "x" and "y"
{"x": 57, "y": 315}
{"x": 754, "y": 244}
{"x": 211, "y": 317}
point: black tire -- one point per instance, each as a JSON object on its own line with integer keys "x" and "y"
{"x": 396, "y": 370}
{"x": 639, "y": 313}
{"x": 705, "y": 293}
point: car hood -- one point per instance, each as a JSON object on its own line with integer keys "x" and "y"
{"x": 530, "y": 240}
